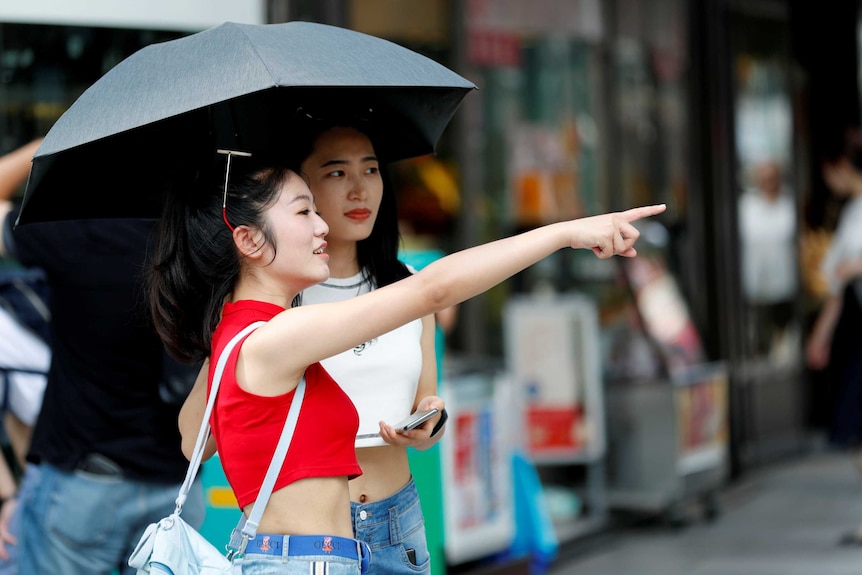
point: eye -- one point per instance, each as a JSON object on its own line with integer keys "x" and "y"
{"x": 336, "y": 173}
{"x": 372, "y": 170}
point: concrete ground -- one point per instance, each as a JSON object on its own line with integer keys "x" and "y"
{"x": 784, "y": 520}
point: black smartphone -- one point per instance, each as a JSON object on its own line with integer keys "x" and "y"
{"x": 415, "y": 420}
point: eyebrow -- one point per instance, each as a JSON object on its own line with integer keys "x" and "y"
{"x": 300, "y": 197}
{"x": 342, "y": 162}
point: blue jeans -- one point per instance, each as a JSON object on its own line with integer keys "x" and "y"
{"x": 81, "y": 523}
{"x": 269, "y": 565}
{"x": 10, "y": 567}
{"x": 394, "y": 529}
{"x": 307, "y": 555}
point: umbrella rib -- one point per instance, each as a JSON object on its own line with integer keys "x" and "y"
{"x": 257, "y": 53}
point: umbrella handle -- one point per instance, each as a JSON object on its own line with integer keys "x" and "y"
{"x": 230, "y": 154}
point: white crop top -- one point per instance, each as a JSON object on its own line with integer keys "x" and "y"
{"x": 380, "y": 376}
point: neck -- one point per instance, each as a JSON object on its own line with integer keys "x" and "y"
{"x": 253, "y": 288}
{"x": 343, "y": 261}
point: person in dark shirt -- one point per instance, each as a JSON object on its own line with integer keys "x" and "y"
{"x": 105, "y": 459}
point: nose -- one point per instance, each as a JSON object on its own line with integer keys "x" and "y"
{"x": 357, "y": 189}
{"x": 322, "y": 228}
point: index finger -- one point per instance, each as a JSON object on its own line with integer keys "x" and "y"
{"x": 635, "y": 214}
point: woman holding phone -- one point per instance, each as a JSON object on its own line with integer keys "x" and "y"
{"x": 389, "y": 376}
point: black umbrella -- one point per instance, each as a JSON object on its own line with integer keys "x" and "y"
{"x": 164, "y": 111}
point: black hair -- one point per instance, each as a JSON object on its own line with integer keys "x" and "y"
{"x": 378, "y": 253}
{"x": 196, "y": 264}
{"x": 853, "y": 147}
{"x": 847, "y": 144}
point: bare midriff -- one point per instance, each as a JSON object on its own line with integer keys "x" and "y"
{"x": 385, "y": 470}
{"x": 313, "y": 506}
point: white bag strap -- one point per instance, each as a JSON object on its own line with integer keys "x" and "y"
{"x": 203, "y": 434}
{"x": 249, "y": 530}
{"x": 246, "y": 529}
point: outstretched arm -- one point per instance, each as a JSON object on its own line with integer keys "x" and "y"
{"x": 443, "y": 283}
{"x": 467, "y": 273}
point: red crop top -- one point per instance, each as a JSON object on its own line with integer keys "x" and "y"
{"x": 247, "y": 427}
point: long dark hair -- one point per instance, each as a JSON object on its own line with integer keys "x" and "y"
{"x": 195, "y": 265}
{"x": 378, "y": 253}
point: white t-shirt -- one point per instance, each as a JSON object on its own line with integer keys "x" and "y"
{"x": 768, "y": 233}
{"x": 22, "y": 350}
{"x": 381, "y": 376}
{"x": 846, "y": 243}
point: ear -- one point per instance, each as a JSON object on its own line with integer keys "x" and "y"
{"x": 248, "y": 240}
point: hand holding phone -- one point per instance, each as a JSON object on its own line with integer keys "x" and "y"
{"x": 414, "y": 420}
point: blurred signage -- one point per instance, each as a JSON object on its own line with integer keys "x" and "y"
{"x": 701, "y": 405}
{"x": 553, "y": 354}
{"x": 189, "y": 15}
{"x": 413, "y": 21}
{"x": 476, "y": 465}
{"x": 572, "y": 18}
{"x": 664, "y": 310}
{"x": 493, "y": 48}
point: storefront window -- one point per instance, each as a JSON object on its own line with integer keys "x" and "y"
{"x": 550, "y": 168}
{"x": 650, "y": 110}
{"x": 648, "y": 163}
{"x": 43, "y": 69}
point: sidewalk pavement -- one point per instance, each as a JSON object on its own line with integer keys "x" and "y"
{"x": 786, "y": 519}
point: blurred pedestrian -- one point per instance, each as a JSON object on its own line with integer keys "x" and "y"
{"x": 105, "y": 458}
{"x": 835, "y": 341}
{"x": 24, "y": 360}
{"x": 25, "y": 321}
{"x": 767, "y": 227}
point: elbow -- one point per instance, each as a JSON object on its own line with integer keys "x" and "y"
{"x": 439, "y": 297}
{"x": 187, "y": 449}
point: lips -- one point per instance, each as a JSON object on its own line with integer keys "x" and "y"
{"x": 358, "y": 214}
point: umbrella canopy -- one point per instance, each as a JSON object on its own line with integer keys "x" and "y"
{"x": 158, "y": 115}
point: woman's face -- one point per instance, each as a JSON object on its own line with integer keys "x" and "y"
{"x": 299, "y": 235}
{"x": 344, "y": 176}
{"x": 841, "y": 177}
